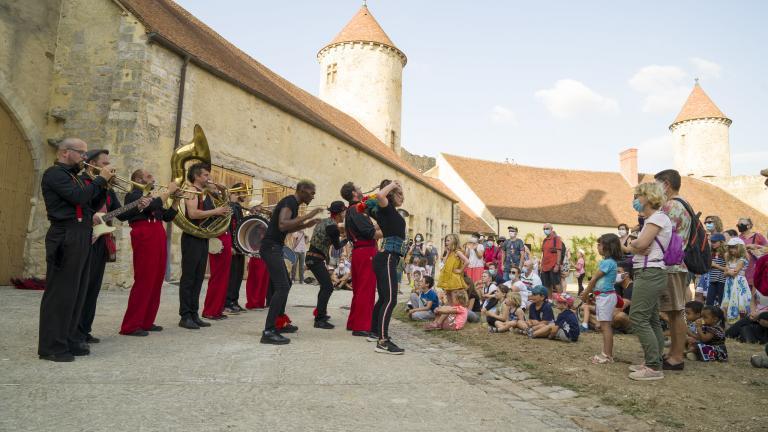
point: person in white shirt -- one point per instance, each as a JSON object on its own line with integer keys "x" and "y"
{"x": 474, "y": 252}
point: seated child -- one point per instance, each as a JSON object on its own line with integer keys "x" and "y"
{"x": 424, "y": 303}
{"x": 540, "y": 313}
{"x": 494, "y": 307}
{"x": 451, "y": 317}
{"x": 514, "y": 314}
{"x": 418, "y": 270}
{"x": 692, "y": 313}
{"x": 710, "y": 336}
{"x": 342, "y": 275}
{"x": 624, "y": 290}
{"x": 566, "y": 326}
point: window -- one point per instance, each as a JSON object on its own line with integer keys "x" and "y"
{"x": 428, "y": 234}
{"x": 392, "y": 138}
{"x": 330, "y": 74}
{"x": 227, "y": 177}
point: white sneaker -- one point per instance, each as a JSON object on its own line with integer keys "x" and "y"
{"x": 637, "y": 367}
{"x": 647, "y": 374}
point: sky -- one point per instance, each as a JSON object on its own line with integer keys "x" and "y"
{"x": 559, "y": 84}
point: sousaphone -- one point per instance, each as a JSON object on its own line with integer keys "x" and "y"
{"x": 197, "y": 150}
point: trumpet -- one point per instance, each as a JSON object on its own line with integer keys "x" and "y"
{"x": 121, "y": 183}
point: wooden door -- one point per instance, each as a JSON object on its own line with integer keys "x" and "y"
{"x": 16, "y": 180}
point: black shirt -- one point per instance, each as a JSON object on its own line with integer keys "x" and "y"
{"x": 274, "y": 235}
{"x": 390, "y": 221}
{"x": 154, "y": 210}
{"x": 358, "y": 225}
{"x": 63, "y": 190}
{"x": 106, "y": 197}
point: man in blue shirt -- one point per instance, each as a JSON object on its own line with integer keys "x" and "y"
{"x": 423, "y": 304}
{"x": 513, "y": 249}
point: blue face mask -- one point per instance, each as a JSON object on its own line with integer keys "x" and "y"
{"x": 547, "y": 231}
{"x": 637, "y": 205}
{"x": 710, "y": 227}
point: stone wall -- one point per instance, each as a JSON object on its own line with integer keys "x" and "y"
{"x": 701, "y": 147}
{"x": 750, "y": 189}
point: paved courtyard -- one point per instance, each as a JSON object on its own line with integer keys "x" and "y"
{"x": 221, "y": 379}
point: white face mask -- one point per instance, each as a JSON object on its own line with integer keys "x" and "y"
{"x": 619, "y": 277}
{"x": 622, "y": 232}
{"x": 512, "y": 235}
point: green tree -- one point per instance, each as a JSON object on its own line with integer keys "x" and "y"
{"x": 591, "y": 258}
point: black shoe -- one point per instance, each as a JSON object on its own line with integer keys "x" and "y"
{"x": 90, "y": 339}
{"x": 139, "y": 332}
{"x": 239, "y": 308}
{"x": 81, "y": 349}
{"x": 231, "y": 309}
{"x": 388, "y": 347}
{"x": 272, "y": 337}
{"x": 155, "y": 328}
{"x": 360, "y": 333}
{"x": 372, "y": 337}
{"x": 59, "y": 358}
{"x": 290, "y": 328}
{"x": 189, "y": 323}
{"x": 322, "y": 324}
{"x": 199, "y": 322}
{"x": 670, "y": 367}
{"x": 215, "y": 318}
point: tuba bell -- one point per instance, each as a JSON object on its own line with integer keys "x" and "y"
{"x": 197, "y": 149}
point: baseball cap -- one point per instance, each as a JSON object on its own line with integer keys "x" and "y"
{"x": 539, "y": 290}
{"x": 563, "y": 298}
{"x": 735, "y": 241}
{"x": 717, "y": 237}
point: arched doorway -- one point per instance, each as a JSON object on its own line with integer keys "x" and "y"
{"x": 17, "y": 176}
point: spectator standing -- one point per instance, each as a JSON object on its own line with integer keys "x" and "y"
{"x": 299, "y": 246}
{"x": 713, "y": 224}
{"x": 430, "y": 253}
{"x": 492, "y": 254}
{"x": 551, "y": 258}
{"x": 474, "y": 252}
{"x": 513, "y": 250}
{"x": 673, "y": 299}
{"x": 580, "y": 269}
{"x": 753, "y": 242}
{"x": 452, "y": 274}
{"x": 716, "y": 276}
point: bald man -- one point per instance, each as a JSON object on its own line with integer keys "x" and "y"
{"x": 69, "y": 203}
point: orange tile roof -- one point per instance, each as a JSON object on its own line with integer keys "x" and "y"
{"x": 470, "y": 223}
{"x": 172, "y": 26}
{"x": 573, "y": 197}
{"x": 698, "y": 106}
{"x": 363, "y": 27}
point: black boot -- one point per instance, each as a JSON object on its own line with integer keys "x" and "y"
{"x": 272, "y": 337}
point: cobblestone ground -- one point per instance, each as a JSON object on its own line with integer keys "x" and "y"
{"x": 221, "y": 379}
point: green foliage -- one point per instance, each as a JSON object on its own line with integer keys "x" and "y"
{"x": 591, "y": 257}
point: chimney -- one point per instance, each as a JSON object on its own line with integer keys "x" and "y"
{"x": 628, "y": 166}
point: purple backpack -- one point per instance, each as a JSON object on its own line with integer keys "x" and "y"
{"x": 674, "y": 254}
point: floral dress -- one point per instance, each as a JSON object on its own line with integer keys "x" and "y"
{"x": 449, "y": 280}
{"x": 714, "y": 350}
{"x": 737, "y": 296}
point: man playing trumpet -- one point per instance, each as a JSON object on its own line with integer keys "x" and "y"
{"x": 150, "y": 251}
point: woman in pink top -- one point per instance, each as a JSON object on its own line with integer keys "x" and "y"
{"x": 753, "y": 242}
{"x": 451, "y": 317}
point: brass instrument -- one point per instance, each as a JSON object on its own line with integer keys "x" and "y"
{"x": 197, "y": 149}
{"x": 121, "y": 183}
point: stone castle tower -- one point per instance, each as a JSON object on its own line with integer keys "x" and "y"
{"x": 361, "y": 73}
{"x": 700, "y": 138}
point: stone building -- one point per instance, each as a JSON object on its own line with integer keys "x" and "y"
{"x": 135, "y": 76}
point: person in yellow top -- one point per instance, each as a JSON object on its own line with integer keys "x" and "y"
{"x": 452, "y": 274}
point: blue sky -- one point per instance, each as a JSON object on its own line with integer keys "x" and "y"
{"x": 561, "y": 84}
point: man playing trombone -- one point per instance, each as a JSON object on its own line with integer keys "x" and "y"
{"x": 148, "y": 241}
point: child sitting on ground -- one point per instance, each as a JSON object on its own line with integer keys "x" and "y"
{"x": 514, "y": 313}
{"x": 424, "y": 302}
{"x": 540, "y": 313}
{"x": 566, "y": 326}
{"x": 609, "y": 246}
{"x": 692, "y": 313}
{"x": 494, "y": 307}
{"x": 418, "y": 271}
{"x": 451, "y": 317}
{"x": 710, "y": 336}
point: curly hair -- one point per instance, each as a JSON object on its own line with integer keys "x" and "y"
{"x": 653, "y": 193}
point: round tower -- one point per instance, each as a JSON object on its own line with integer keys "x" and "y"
{"x": 700, "y": 138}
{"x": 361, "y": 73}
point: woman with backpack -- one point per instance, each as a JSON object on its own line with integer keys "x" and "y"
{"x": 753, "y": 242}
{"x": 650, "y": 278}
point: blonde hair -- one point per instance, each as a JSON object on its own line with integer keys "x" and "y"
{"x": 653, "y": 193}
{"x": 455, "y": 244}
{"x": 515, "y": 299}
{"x": 741, "y": 252}
{"x": 460, "y": 297}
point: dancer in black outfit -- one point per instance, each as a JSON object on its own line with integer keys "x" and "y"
{"x": 325, "y": 235}
{"x": 392, "y": 224}
{"x": 285, "y": 219}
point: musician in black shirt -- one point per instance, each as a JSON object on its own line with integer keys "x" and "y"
{"x": 285, "y": 219}
{"x": 392, "y": 224}
{"x": 101, "y": 248}
{"x": 69, "y": 204}
{"x": 237, "y": 267}
{"x": 150, "y": 252}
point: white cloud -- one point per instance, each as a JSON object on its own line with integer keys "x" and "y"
{"x": 706, "y": 69}
{"x": 569, "y": 98}
{"x": 665, "y": 87}
{"x": 503, "y": 115}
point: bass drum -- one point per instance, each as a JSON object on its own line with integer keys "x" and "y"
{"x": 249, "y": 234}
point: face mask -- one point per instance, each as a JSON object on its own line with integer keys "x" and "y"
{"x": 488, "y": 244}
{"x": 512, "y": 235}
{"x": 637, "y": 205}
{"x": 710, "y": 226}
{"x": 622, "y": 233}
{"x": 742, "y": 227}
{"x": 492, "y": 272}
{"x": 547, "y": 231}
{"x": 418, "y": 239}
{"x": 619, "y": 277}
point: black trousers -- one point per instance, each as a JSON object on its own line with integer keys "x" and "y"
{"x": 318, "y": 268}
{"x": 748, "y": 331}
{"x": 279, "y": 282}
{"x": 96, "y": 276}
{"x": 581, "y": 282}
{"x": 385, "y": 268}
{"x": 550, "y": 279}
{"x": 715, "y": 293}
{"x": 236, "y": 271}
{"x": 67, "y": 257}
{"x": 194, "y": 255}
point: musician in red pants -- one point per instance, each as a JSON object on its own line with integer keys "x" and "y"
{"x": 149, "y": 246}
{"x": 218, "y": 282}
{"x": 257, "y": 284}
{"x": 363, "y": 234}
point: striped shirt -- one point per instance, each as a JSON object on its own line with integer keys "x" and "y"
{"x": 716, "y": 275}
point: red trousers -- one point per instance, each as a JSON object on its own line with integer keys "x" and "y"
{"x": 363, "y": 289}
{"x": 149, "y": 256}
{"x": 218, "y": 283}
{"x": 257, "y": 284}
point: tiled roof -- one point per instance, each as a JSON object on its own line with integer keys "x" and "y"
{"x": 172, "y": 26}
{"x": 574, "y": 197}
{"x": 698, "y": 106}
{"x": 470, "y": 223}
{"x": 363, "y": 27}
